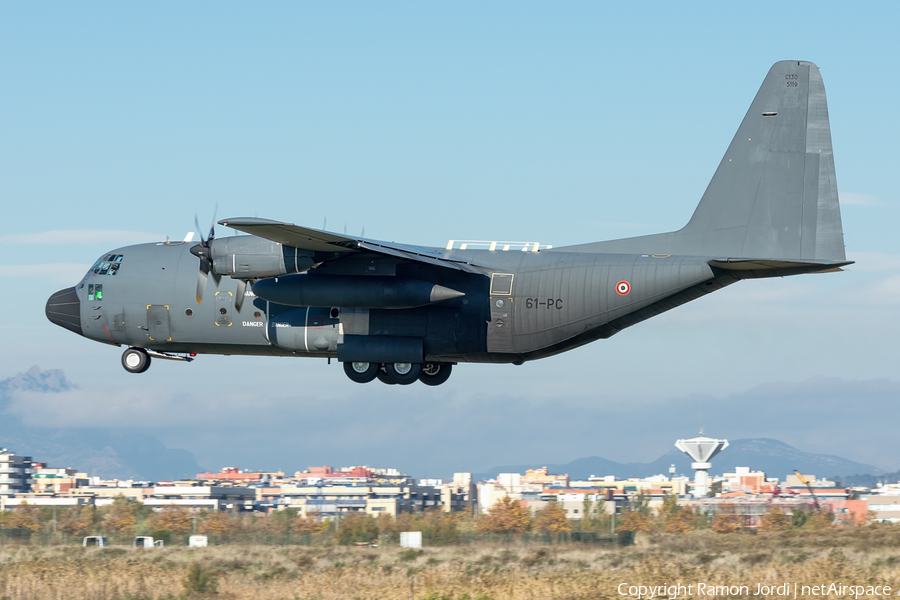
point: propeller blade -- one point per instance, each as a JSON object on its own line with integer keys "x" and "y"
{"x": 212, "y": 226}
{"x": 363, "y": 232}
{"x": 239, "y": 294}
{"x": 199, "y": 231}
{"x": 201, "y": 285}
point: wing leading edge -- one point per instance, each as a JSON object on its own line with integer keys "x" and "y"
{"x": 316, "y": 240}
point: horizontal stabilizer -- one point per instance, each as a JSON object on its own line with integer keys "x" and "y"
{"x": 747, "y": 268}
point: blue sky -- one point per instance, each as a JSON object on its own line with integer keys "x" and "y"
{"x": 424, "y": 122}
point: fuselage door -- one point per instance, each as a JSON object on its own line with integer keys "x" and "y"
{"x": 158, "y": 322}
{"x": 500, "y": 329}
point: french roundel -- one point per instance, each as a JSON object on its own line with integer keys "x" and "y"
{"x": 623, "y": 287}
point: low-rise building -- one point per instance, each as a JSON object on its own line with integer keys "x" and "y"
{"x": 885, "y": 507}
{"x": 15, "y": 473}
{"x": 332, "y": 500}
{"x": 197, "y": 498}
{"x": 59, "y": 481}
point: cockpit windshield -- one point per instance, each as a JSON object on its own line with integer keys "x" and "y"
{"x": 108, "y": 265}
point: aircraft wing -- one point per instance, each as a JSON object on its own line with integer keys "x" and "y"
{"x": 316, "y": 240}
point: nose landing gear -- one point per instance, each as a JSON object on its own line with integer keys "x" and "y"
{"x": 135, "y": 360}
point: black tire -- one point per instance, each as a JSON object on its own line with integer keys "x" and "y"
{"x": 435, "y": 373}
{"x": 135, "y": 360}
{"x": 403, "y": 373}
{"x": 383, "y": 377}
{"x": 361, "y": 372}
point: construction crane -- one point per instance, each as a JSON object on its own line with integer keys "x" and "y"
{"x": 809, "y": 487}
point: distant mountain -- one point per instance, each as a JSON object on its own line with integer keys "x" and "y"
{"x": 776, "y": 458}
{"x": 108, "y": 453}
{"x": 867, "y": 480}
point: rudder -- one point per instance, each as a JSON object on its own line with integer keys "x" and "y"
{"x": 774, "y": 194}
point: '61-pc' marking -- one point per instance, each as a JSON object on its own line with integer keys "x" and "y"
{"x": 556, "y": 303}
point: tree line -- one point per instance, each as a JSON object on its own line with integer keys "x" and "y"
{"x": 124, "y": 518}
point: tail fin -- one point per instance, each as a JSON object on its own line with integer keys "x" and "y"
{"x": 774, "y": 195}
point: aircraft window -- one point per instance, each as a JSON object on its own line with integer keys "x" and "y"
{"x": 501, "y": 284}
{"x": 108, "y": 265}
{"x": 91, "y": 291}
{"x": 98, "y": 291}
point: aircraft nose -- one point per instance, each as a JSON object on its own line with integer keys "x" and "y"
{"x": 64, "y": 309}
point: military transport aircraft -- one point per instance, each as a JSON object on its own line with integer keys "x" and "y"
{"x": 401, "y": 313}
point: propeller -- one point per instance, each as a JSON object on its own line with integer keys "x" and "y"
{"x": 202, "y": 251}
{"x": 239, "y": 294}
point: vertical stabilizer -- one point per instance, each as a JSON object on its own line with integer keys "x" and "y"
{"x": 774, "y": 194}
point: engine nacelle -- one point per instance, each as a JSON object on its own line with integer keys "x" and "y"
{"x": 311, "y": 330}
{"x": 250, "y": 257}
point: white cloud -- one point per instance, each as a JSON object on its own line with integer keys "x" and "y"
{"x": 848, "y": 198}
{"x": 65, "y": 273}
{"x": 82, "y": 237}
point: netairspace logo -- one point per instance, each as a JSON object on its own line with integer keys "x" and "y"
{"x": 786, "y": 589}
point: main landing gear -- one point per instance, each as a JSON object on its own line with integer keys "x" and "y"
{"x": 398, "y": 373}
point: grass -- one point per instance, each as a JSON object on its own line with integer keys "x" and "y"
{"x": 869, "y": 555}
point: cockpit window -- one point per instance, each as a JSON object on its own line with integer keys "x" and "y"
{"x": 108, "y": 265}
{"x": 95, "y": 291}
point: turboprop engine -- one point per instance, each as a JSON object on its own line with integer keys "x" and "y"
{"x": 249, "y": 257}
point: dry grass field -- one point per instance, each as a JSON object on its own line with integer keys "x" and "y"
{"x": 861, "y": 556}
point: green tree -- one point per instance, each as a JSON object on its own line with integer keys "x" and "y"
{"x": 278, "y": 521}
{"x": 799, "y": 518}
{"x": 357, "y": 527}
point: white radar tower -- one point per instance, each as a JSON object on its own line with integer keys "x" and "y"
{"x": 701, "y": 449}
